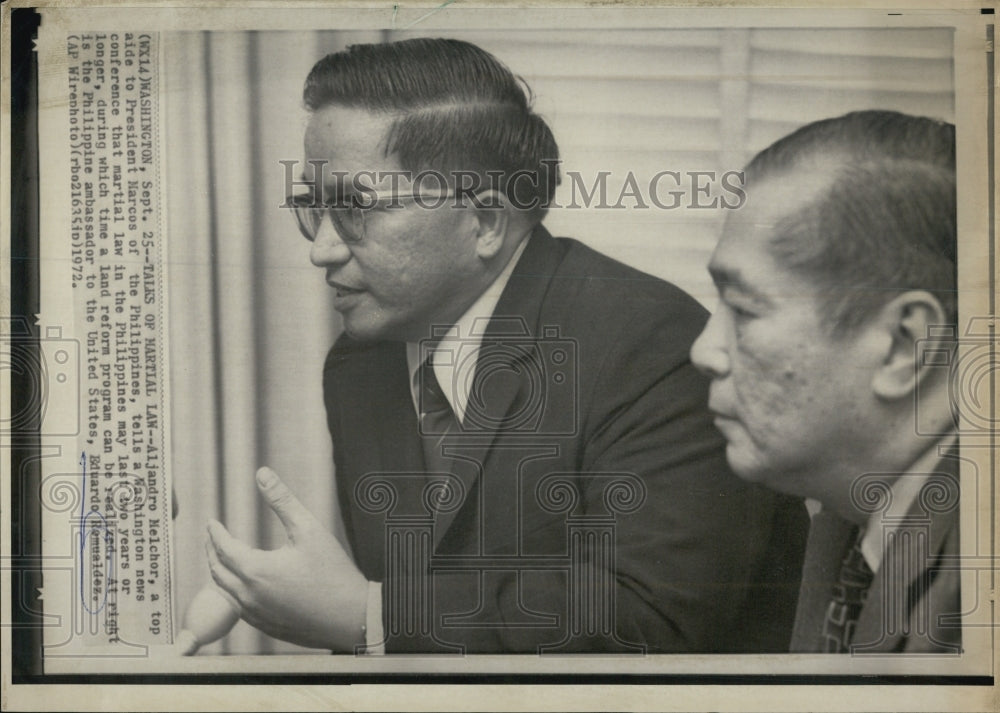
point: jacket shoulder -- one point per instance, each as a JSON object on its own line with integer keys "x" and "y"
{"x": 593, "y": 288}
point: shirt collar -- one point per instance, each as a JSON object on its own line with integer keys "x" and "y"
{"x": 457, "y": 354}
{"x": 904, "y": 491}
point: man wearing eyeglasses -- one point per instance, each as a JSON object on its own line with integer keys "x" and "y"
{"x": 524, "y": 458}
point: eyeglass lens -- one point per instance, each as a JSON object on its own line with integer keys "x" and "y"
{"x": 347, "y": 221}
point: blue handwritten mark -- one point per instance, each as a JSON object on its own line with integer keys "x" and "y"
{"x": 86, "y": 532}
{"x": 436, "y": 10}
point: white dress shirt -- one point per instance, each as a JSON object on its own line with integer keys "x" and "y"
{"x": 457, "y": 355}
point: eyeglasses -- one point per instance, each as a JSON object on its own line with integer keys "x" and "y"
{"x": 347, "y": 214}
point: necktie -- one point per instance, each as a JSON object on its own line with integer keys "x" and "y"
{"x": 848, "y": 598}
{"x": 437, "y": 421}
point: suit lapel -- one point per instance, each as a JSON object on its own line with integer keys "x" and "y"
{"x": 829, "y": 538}
{"x": 383, "y": 414}
{"x": 399, "y": 442}
{"x": 378, "y": 433}
{"x": 502, "y": 383}
{"x": 885, "y": 620}
{"x": 506, "y": 373}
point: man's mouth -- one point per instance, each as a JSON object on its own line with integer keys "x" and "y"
{"x": 720, "y": 414}
{"x": 343, "y": 290}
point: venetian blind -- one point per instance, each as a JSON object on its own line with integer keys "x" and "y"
{"x": 640, "y": 102}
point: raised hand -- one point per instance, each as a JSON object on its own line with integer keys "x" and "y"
{"x": 308, "y": 592}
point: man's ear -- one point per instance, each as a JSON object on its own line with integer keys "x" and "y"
{"x": 908, "y": 318}
{"x": 493, "y": 222}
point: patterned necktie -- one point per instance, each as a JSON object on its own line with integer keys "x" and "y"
{"x": 437, "y": 420}
{"x": 848, "y": 598}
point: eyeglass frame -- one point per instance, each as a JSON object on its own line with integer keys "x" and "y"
{"x": 359, "y": 203}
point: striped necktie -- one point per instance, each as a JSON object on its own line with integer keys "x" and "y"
{"x": 437, "y": 420}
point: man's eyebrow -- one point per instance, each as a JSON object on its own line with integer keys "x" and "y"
{"x": 731, "y": 277}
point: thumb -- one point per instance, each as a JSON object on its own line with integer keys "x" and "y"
{"x": 292, "y": 513}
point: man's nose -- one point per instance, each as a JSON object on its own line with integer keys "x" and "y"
{"x": 327, "y": 247}
{"x": 708, "y": 353}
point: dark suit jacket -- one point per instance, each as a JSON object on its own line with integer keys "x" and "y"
{"x": 599, "y": 389}
{"x": 913, "y": 603}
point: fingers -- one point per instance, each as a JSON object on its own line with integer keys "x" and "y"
{"x": 227, "y": 581}
{"x": 233, "y": 553}
{"x": 227, "y": 558}
{"x": 292, "y": 513}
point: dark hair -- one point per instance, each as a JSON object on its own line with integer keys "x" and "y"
{"x": 885, "y": 223}
{"x": 458, "y": 109}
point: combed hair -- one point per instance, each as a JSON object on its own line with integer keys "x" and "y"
{"x": 886, "y": 222}
{"x": 457, "y": 109}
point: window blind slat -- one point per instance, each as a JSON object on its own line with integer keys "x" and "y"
{"x": 639, "y": 98}
{"x": 804, "y": 104}
{"x": 799, "y": 68}
{"x": 889, "y": 42}
{"x": 629, "y": 132}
